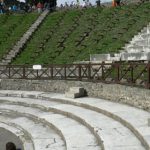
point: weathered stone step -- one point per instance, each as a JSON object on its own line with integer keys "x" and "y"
{"x": 16, "y": 134}
{"x": 66, "y": 125}
{"x": 41, "y": 134}
{"x": 145, "y": 42}
{"x": 135, "y": 119}
{"x": 140, "y": 38}
{"x": 140, "y": 42}
{"x": 143, "y": 56}
{"x": 107, "y": 128}
{"x": 119, "y": 112}
{"x": 137, "y": 49}
{"x": 94, "y": 119}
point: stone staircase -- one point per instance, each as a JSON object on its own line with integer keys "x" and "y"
{"x": 137, "y": 49}
{"x": 24, "y": 39}
{"x": 56, "y": 122}
{"x": 140, "y": 42}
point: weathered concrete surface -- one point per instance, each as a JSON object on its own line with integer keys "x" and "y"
{"x": 124, "y": 138}
{"x": 7, "y": 136}
{"x": 91, "y": 110}
{"x": 133, "y": 96}
{"x": 143, "y": 56}
{"x": 42, "y": 135}
{"x": 75, "y": 92}
{"x": 77, "y": 135}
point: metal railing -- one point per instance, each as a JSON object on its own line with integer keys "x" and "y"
{"x": 128, "y": 73}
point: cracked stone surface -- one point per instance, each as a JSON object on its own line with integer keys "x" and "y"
{"x": 75, "y": 118}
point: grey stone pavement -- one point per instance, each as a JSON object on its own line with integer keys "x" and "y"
{"x": 121, "y": 127}
{"x": 6, "y": 136}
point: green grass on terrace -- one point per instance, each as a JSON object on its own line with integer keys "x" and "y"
{"x": 72, "y": 35}
{"x": 12, "y": 27}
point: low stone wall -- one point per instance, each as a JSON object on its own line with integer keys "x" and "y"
{"x": 133, "y": 96}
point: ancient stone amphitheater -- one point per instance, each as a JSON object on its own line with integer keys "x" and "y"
{"x": 37, "y": 115}
{"x": 50, "y": 121}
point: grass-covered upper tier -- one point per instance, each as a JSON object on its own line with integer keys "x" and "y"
{"x": 72, "y": 35}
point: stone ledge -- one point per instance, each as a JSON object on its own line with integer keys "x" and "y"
{"x": 132, "y": 96}
{"x": 75, "y": 92}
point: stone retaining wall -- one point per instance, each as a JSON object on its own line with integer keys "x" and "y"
{"x": 133, "y": 96}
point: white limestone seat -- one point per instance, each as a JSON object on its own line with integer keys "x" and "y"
{"x": 42, "y": 136}
{"x": 144, "y": 42}
{"x": 141, "y": 36}
{"x": 137, "y": 49}
{"x": 133, "y": 118}
{"x": 136, "y": 117}
{"x": 25, "y": 140}
{"x": 79, "y": 139}
{"x": 139, "y": 43}
{"x": 124, "y": 138}
{"x": 95, "y": 119}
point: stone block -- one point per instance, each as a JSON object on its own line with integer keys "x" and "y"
{"x": 75, "y": 92}
{"x": 105, "y": 57}
{"x": 135, "y": 56}
{"x": 72, "y": 95}
{"x": 100, "y": 57}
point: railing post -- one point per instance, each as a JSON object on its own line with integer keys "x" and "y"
{"x": 24, "y": 72}
{"x": 89, "y": 71}
{"x": 65, "y": 77}
{"x": 103, "y": 77}
{"x": 132, "y": 75}
{"x": 117, "y": 66}
{"x": 79, "y": 73}
{"x": 148, "y": 70}
{"x": 51, "y": 69}
{"x": 37, "y": 74}
{"x": 9, "y": 72}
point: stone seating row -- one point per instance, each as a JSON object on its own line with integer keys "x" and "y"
{"x": 138, "y": 56}
{"x": 65, "y": 124}
{"x": 93, "y": 113}
{"x": 42, "y": 134}
{"x": 14, "y": 133}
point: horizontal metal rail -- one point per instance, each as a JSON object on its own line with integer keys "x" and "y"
{"x": 127, "y": 73}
